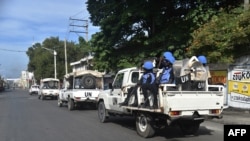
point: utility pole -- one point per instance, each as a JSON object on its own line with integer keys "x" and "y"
{"x": 78, "y": 24}
{"x": 66, "y": 60}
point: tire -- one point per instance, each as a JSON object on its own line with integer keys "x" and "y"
{"x": 102, "y": 112}
{"x": 144, "y": 125}
{"x": 89, "y": 82}
{"x": 59, "y": 102}
{"x": 189, "y": 128}
{"x": 71, "y": 104}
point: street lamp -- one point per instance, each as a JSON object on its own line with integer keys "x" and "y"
{"x": 55, "y": 53}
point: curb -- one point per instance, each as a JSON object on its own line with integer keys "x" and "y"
{"x": 233, "y": 115}
{"x": 234, "y": 110}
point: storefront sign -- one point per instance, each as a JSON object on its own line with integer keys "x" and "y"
{"x": 239, "y": 98}
{"x": 239, "y": 87}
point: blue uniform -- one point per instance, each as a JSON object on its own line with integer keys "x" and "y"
{"x": 148, "y": 78}
{"x": 167, "y": 76}
{"x": 147, "y": 83}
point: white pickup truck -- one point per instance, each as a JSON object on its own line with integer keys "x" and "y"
{"x": 49, "y": 87}
{"x": 185, "y": 104}
{"x": 79, "y": 88}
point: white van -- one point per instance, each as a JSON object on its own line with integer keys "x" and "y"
{"x": 49, "y": 87}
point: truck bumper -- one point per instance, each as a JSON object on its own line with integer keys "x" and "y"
{"x": 84, "y": 99}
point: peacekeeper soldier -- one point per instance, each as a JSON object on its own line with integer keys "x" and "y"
{"x": 147, "y": 83}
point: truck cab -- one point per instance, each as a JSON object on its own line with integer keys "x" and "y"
{"x": 49, "y": 87}
{"x": 123, "y": 80}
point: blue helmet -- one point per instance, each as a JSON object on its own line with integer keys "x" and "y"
{"x": 169, "y": 56}
{"x": 167, "y": 53}
{"x": 171, "y": 59}
{"x": 202, "y": 59}
{"x": 148, "y": 65}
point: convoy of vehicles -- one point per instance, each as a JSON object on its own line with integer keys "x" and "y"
{"x": 81, "y": 88}
{"x": 49, "y": 87}
{"x": 185, "y": 104}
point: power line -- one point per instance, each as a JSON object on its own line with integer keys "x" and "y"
{"x": 77, "y": 25}
{"x": 12, "y": 50}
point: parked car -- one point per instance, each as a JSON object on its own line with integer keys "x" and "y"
{"x": 34, "y": 89}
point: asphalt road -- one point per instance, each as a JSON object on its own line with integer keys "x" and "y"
{"x": 24, "y": 117}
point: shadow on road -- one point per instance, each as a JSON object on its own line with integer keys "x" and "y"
{"x": 168, "y": 132}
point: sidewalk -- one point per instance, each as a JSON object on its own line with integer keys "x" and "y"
{"x": 234, "y": 116}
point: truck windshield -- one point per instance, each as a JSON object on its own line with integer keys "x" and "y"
{"x": 51, "y": 85}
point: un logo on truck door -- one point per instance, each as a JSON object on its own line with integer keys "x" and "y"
{"x": 88, "y": 94}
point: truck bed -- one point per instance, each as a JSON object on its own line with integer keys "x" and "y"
{"x": 192, "y": 100}
{"x": 186, "y": 103}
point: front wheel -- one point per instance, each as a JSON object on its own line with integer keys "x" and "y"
{"x": 144, "y": 125}
{"x": 102, "y": 112}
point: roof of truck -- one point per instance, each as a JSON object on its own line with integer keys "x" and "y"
{"x": 128, "y": 69}
{"x": 83, "y": 72}
{"x": 49, "y": 79}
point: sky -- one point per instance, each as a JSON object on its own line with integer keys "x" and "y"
{"x": 25, "y": 22}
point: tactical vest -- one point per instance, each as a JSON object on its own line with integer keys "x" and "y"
{"x": 165, "y": 76}
{"x": 146, "y": 76}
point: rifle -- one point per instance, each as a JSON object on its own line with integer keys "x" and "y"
{"x": 160, "y": 60}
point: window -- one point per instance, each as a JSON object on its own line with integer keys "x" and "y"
{"x": 51, "y": 85}
{"x": 78, "y": 83}
{"x": 135, "y": 77}
{"x": 118, "y": 81}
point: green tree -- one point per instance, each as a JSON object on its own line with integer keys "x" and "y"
{"x": 41, "y": 61}
{"x": 223, "y": 38}
{"x": 134, "y": 30}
